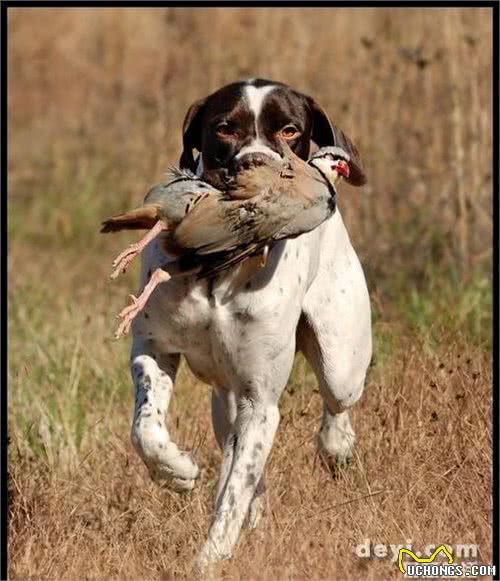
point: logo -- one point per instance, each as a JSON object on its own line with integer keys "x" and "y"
{"x": 425, "y": 566}
{"x": 440, "y": 549}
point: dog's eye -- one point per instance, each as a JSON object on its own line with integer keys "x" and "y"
{"x": 226, "y": 129}
{"x": 289, "y": 132}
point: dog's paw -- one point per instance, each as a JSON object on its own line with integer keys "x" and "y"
{"x": 167, "y": 465}
{"x": 179, "y": 475}
{"x": 335, "y": 464}
{"x": 207, "y": 559}
{"x": 171, "y": 482}
{"x": 336, "y": 443}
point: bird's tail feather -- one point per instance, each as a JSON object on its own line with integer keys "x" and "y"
{"x": 139, "y": 219}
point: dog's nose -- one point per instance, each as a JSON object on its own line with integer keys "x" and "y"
{"x": 250, "y": 160}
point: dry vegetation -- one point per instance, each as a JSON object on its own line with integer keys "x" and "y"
{"x": 96, "y": 102}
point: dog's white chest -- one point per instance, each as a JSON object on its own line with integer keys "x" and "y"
{"x": 218, "y": 324}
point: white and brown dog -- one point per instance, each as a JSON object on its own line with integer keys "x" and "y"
{"x": 240, "y": 330}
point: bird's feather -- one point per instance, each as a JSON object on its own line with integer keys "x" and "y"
{"x": 174, "y": 172}
{"x": 205, "y": 266}
{"x": 142, "y": 218}
{"x": 224, "y": 260}
{"x": 215, "y": 226}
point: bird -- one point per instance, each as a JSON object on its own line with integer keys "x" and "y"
{"x": 208, "y": 230}
{"x": 165, "y": 205}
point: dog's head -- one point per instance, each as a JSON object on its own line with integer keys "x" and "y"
{"x": 247, "y": 119}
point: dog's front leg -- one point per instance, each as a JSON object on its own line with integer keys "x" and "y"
{"x": 335, "y": 336}
{"x": 153, "y": 374}
{"x": 246, "y": 449}
{"x": 224, "y": 411}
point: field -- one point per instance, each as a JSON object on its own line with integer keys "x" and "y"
{"x": 96, "y": 103}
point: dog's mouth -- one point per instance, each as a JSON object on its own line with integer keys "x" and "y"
{"x": 220, "y": 177}
{"x": 217, "y": 178}
{"x": 250, "y": 160}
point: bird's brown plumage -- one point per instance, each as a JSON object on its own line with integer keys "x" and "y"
{"x": 267, "y": 203}
{"x": 210, "y": 230}
{"x": 262, "y": 203}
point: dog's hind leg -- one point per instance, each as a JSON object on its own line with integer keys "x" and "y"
{"x": 153, "y": 373}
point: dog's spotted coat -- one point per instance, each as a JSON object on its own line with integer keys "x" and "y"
{"x": 239, "y": 333}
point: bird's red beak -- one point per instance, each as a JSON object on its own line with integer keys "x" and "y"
{"x": 342, "y": 168}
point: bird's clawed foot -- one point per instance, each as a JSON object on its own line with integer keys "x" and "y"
{"x": 121, "y": 262}
{"x": 130, "y": 312}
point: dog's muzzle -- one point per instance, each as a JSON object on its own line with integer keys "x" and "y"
{"x": 252, "y": 159}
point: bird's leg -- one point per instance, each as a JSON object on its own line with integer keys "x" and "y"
{"x": 121, "y": 262}
{"x": 128, "y": 314}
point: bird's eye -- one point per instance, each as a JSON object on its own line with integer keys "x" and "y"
{"x": 289, "y": 132}
{"x": 225, "y": 129}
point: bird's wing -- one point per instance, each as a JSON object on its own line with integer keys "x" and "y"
{"x": 287, "y": 219}
{"x": 155, "y": 194}
{"x": 291, "y": 221}
{"x": 223, "y": 260}
{"x": 218, "y": 234}
{"x": 223, "y": 226}
{"x": 208, "y": 227}
{"x": 249, "y": 182}
{"x": 142, "y": 218}
{"x": 205, "y": 266}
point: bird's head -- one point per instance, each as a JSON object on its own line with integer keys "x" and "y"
{"x": 332, "y": 162}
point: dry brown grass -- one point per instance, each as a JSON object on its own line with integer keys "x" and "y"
{"x": 422, "y": 472}
{"x": 96, "y": 102}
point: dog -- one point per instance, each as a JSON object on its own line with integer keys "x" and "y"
{"x": 239, "y": 331}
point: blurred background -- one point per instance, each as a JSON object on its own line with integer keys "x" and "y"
{"x": 96, "y": 101}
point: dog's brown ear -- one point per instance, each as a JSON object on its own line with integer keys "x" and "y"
{"x": 325, "y": 133}
{"x": 191, "y": 134}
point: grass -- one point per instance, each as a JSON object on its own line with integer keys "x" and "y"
{"x": 96, "y": 102}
